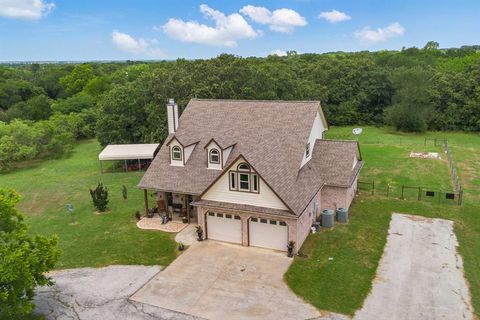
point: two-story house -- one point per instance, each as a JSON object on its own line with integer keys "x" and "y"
{"x": 255, "y": 173}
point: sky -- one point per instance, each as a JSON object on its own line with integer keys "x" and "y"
{"x": 61, "y": 30}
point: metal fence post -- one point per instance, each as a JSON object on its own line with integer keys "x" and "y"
{"x": 403, "y": 187}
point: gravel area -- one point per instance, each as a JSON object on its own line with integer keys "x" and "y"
{"x": 100, "y": 294}
{"x": 420, "y": 275}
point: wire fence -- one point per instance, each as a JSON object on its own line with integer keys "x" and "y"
{"x": 409, "y": 192}
{"x": 421, "y": 193}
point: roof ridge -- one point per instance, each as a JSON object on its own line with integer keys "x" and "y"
{"x": 257, "y": 100}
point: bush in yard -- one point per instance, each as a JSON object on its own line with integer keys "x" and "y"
{"x": 100, "y": 197}
{"x": 124, "y": 192}
{"x": 24, "y": 259}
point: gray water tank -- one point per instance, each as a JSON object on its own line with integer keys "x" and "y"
{"x": 327, "y": 218}
{"x": 342, "y": 215}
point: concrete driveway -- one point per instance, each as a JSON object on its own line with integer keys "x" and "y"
{"x": 220, "y": 281}
{"x": 420, "y": 275}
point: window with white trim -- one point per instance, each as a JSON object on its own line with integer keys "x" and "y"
{"x": 307, "y": 150}
{"x": 176, "y": 153}
{"x": 214, "y": 156}
{"x": 244, "y": 179}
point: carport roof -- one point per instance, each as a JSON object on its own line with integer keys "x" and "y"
{"x": 128, "y": 151}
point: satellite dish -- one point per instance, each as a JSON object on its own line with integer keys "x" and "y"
{"x": 357, "y": 131}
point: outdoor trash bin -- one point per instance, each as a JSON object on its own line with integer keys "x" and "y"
{"x": 342, "y": 215}
{"x": 327, "y": 218}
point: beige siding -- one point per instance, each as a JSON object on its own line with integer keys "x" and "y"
{"x": 225, "y": 154}
{"x": 355, "y": 161}
{"x": 220, "y": 191}
{"x": 178, "y": 163}
{"x": 214, "y": 166}
{"x": 316, "y": 133}
{"x": 172, "y": 117}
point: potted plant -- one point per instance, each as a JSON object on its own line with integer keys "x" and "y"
{"x": 184, "y": 219}
{"x": 181, "y": 246}
{"x": 138, "y": 215}
{"x": 199, "y": 231}
{"x": 290, "y": 247}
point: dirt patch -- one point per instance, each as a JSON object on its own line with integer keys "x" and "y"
{"x": 425, "y": 155}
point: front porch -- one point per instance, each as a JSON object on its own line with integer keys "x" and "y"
{"x": 176, "y": 207}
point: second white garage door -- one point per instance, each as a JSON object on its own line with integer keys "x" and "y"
{"x": 224, "y": 227}
{"x": 268, "y": 233}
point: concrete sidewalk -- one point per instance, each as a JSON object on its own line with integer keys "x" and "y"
{"x": 420, "y": 275}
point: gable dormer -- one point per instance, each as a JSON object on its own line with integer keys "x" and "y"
{"x": 317, "y": 132}
{"x": 216, "y": 156}
{"x": 179, "y": 154}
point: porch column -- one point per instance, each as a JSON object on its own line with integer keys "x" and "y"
{"x": 201, "y": 221}
{"x": 145, "y": 194}
{"x": 188, "y": 208}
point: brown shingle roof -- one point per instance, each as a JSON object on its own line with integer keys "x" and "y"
{"x": 333, "y": 161}
{"x": 270, "y": 135}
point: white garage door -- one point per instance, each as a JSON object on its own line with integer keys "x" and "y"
{"x": 224, "y": 227}
{"x": 268, "y": 233}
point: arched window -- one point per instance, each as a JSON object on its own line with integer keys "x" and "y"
{"x": 176, "y": 153}
{"x": 243, "y": 167}
{"x": 244, "y": 179}
{"x": 214, "y": 156}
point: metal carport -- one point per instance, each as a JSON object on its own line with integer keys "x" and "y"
{"x": 119, "y": 152}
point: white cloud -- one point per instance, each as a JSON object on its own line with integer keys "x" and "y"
{"x": 334, "y": 16}
{"x": 278, "y": 52}
{"x": 25, "y": 9}
{"x": 227, "y": 31}
{"x": 370, "y": 36}
{"x": 127, "y": 43}
{"x": 280, "y": 20}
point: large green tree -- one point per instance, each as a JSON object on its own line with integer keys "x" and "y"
{"x": 24, "y": 260}
{"x": 412, "y": 107}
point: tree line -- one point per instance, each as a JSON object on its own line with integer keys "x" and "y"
{"x": 45, "y": 107}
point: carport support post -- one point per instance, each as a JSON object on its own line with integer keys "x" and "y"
{"x": 139, "y": 167}
{"x": 126, "y": 166}
{"x": 145, "y": 194}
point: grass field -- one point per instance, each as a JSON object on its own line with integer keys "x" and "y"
{"x": 342, "y": 285}
{"x": 97, "y": 239}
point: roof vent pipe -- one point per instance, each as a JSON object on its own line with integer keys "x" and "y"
{"x": 172, "y": 116}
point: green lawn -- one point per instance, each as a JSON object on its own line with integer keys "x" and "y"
{"x": 342, "y": 285}
{"x": 97, "y": 239}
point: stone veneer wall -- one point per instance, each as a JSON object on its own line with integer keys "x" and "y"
{"x": 308, "y": 216}
{"x": 338, "y": 197}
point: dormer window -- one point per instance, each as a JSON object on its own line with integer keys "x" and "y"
{"x": 176, "y": 153}
{"x": 307, "y": 150}
{"x": 214, "y": 156}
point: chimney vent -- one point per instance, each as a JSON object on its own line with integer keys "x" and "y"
{"x": 172, "y": 116}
